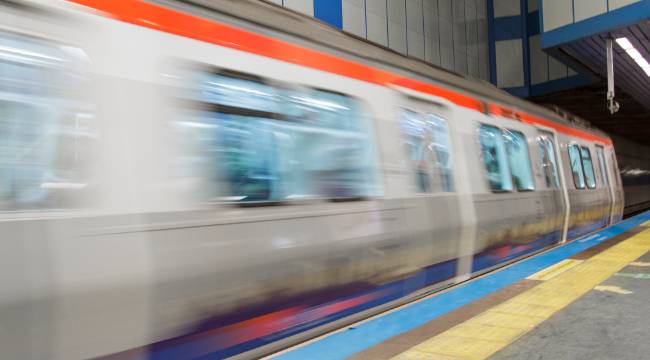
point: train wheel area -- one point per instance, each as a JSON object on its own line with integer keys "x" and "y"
{"x": 584, "y": 297}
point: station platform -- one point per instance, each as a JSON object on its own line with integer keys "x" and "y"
{"x": 586, "y": 299}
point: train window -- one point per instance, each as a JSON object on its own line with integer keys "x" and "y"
{"x": 332, "y": 150}
{"x": 588, "y": 167}
{"x": 547, "y": 158}
{"x": 241, "y": 95}
{"x": 576, "y": 166}
{"x": 495, "y": 158}
{"x": 519, "y": 160}
{"x": 426, "y": 139}
{"x": 268, "y": 144}
{"x": 604, "y": 177}
{"x": 47, "y": 129}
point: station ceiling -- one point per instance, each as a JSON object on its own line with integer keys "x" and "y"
{"x": 591, "y": 51}
{"x": 632, "y": 83}
{"x": 588, "y": 102}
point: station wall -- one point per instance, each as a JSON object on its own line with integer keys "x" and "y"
{"x": 521, "y": 67}
{"x": 452, "y": 34}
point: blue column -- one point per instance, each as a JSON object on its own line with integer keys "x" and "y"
{"x": 329, "y": 11}
{"x": 491, "y": 42}
{"x": 510, "y": 28}
{"x": 525, "y": 45}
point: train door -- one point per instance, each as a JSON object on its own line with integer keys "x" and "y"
{"x": 617, "y": 188}
{"x": 435, "y": 218}
{"x": 604, "y": 179}
{"x": 515, "y": 213}
{"x": 556, "y": 196}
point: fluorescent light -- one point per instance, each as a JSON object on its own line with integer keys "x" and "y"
{"x": 626, "y": 45}
{"x": 634, "y": 54}
{"x": 643, "y": 63}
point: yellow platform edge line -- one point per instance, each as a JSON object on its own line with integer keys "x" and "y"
{"x": 496, "y": 328}
{"x": 554, "y": 270}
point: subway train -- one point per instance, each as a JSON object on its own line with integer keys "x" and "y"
{"x": 212, "y": 179}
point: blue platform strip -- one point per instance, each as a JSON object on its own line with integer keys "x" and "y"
{"x": 346, "y": 343}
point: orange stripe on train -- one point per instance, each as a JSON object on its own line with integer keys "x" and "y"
{"x": 175, "y": 22}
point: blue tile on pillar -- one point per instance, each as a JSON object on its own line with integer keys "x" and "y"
{"x": 506, "y": 28}
{"x": 329, "y": 11}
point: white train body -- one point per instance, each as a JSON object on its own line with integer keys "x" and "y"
{"x": 136, "y": 247}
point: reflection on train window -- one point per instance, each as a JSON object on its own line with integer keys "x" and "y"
{"x": 576, "y": 166}
{"x": 267, "y": 144}
{"x": 517, "y": 150}
{"x": 46, "y": 130}
{"x": 495, "y": 158}
{"x": 547, "y": 158}
{"x": 587, "y": 165}
{"x": 604, "y": 177}
{"x": 426, "y": 140}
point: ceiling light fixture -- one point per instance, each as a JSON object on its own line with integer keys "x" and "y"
{"x": 626, "y": 45}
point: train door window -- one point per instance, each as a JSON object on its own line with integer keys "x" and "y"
{"x": 604, "y": 177}
{"x": 495, "y": 158}
{"x": 547, "y": 158}
{"x": 550, "y": 148}
{"x": 517, "y": 149}
{"x": 614, "y": 165}
{"x": 441, "y": 148}
{"x": 426, "y": 140}
{"x": 417, "y": 136}
{"x": 588, "y": 167}
{"x": 269, "y": 143}
{"x": 576, "y": 166}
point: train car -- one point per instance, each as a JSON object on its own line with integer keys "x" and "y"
{"x": 178, "y": 180}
